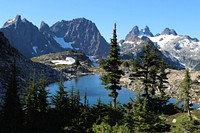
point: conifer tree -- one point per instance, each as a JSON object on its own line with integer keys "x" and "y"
{"x": 61, "y": 100}
{"x": 112, "y": 68}
{"x": 12, "y": 109}
{"x": 151, "y": 71}
{"x": 148, "y": 69}
{"x": 162, "y": 78}
{"x": 31, "y": 97}
{"x": 86, "y": 102}
{"x": 42, "y": 94}
{"x": 186, "y": 85}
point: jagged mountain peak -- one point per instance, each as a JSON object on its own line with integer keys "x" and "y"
{"x": 135, "y": 33}
{"x": 81, "y": 20}
{"x": 17, "y": 22}
{"x": 28, "y": 39}
{"x": 168, "y": 31}
{"x": 146, "y": 32}
{"x": 83, "y": 35}
{"x": 146, "y": 29}
{"x": 78, "y": 34}
{"x": 12, "y": 21}
{"x": 181, "y": 50}
{"x": 43, "y": 24}
{"x": 44, "y": 27}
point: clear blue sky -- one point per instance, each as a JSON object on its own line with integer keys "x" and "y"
{"x": 181, "y": 15}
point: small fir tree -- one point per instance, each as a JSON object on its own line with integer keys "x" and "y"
{"x": 112, "y": 68}
{"x": 42, "y": 94}
{"x": 186, "y": 85}
{"x": 61, "y": 100}
{"x": 31, "y": 103}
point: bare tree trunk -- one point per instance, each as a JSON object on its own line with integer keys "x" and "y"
{"x": 189, "y": 115}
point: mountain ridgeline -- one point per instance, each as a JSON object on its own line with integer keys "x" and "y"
{"x": 180, "y": 51}
{"x": 79, "y": 34}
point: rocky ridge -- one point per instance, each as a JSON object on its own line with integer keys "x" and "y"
{"x": 27, "y": 39}
{"x": 78, "y": 34}
{"x": 70, "y": 70}
{"x": 180, "y": 51}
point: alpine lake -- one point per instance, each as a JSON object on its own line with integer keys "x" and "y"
{"x": 92, "y": 86}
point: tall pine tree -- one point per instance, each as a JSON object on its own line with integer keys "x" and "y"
{"x": 112, "y": 68}
{"x": 12, "y": 110}
{"x": 186, "y": 85}
{"x": 31, "y": 96}
{"x": 151, "y": 72}
{"x": 148, "y": 69}
{"x": 42, "y": 94}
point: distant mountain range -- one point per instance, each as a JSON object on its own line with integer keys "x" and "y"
{"x": 80, "y": 34}
{"x": 181, "y": 51}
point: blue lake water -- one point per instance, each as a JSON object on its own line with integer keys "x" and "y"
{"x": 95, "y": 90}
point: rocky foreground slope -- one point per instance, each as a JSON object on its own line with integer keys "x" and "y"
{"x": 25, "y": 66}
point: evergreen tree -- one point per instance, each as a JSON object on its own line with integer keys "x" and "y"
{"x": 186, "y": 85}
{"x": 162, "y": 77}
{"x": 31, "y": 97}
{"x": 61, "y": 100}
{"x": 77, "y": 63}
{"x": 148, "y": 69}
{"x": 140, "y": 119}
{"x": 12, "y": 109}
{"x": 86, "y": 102}
{"x": 112, "y": 68}
{"x": 36, "y": 104}
{"x": 42, "y": 94}
{"x": 151, "y": 72}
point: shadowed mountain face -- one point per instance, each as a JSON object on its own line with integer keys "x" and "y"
{"x": 27, "y": 38}
{"x": 78, "y": 34}
{"x": 83, "y": 35}
{"x": 24, "y": 65}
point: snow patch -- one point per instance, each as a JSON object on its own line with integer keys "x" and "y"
{"x": 129, "y": 42}
{"x": 67, "y": 61}
{"x": 35, "y": 49}
{"x": 121, "y": 47}
{"x": 162, "y": 39}
{"x": 94, "y": 61}
{"x": 11, "y": 21}
{"x": 62, "y": 42}
{"x": 77, "y": 49}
